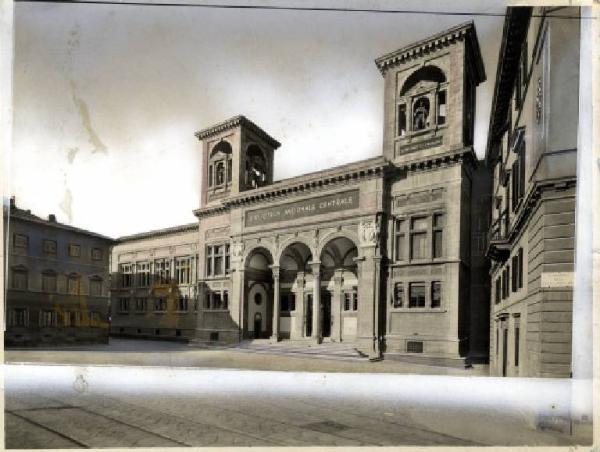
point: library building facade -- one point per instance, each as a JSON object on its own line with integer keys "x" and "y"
{"x": 386, "y": 253}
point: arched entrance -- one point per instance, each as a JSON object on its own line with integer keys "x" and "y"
{"x": 258, "y": 299}
{"x": 339, "y": 290}
{"x": 295, "y": 291}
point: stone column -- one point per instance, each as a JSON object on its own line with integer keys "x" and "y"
{"x": 276, "y": 303}
{"x": 336, "y": 306}
{"x": 316, "y": 329}
{"x": 298, "y": 331}
{"x": 236, "y": 297}
{"x": 368, "y": 289}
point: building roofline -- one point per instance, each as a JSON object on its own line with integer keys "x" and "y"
{"x": 158, "y": 232}
{"x": 515, "y": 26}
{"x": 301, "y": 182}
{"x": 465, "y": 29}
{"x": 26, "y": 215}
{"x": 239, "y": 120}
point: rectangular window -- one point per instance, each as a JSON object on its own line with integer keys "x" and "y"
{"x": 49, "y": 247}
{"x": 416, "y": 295}
{"x": 183, "y": 270}
{"x": 229, "y": 169}
{"x": 96, "y": 254}
{"x": 19, "y": 279}
{"x": 441, "y": 118}
{"x": 515, "y": 273}
{"x": 66, "y": 318}
{"x": 498, "y": 290}
{"x": 124, "y": 305}
{"x": 140, "y": 304}
{"x": 73, "y": 285}
{"x": 74, "y": 250}
{"x": 398, "y": 300}
{"x": 19, "y": 317}
{"x": 401, "y": 120}
{"x": 400, "y": 239}
{"x": 217, "y": 259}
{"x": 520, "y": 274}
{"x": 160, "y": 304}
{"x": 96, "y": 287}
{"x": 436, "y": 294}
{"x": 126, "y": 275}
{"x": 20, "y": 242}
{"x": 351, "y": 300}
{"x": 48, "y": 319}
{"x": 210, "y": 175}
{"x": 517, "y": 332}
{"x": 414, "y": 347}
{"x": 182, "y": 303}
{"x": 418, "y": 238}
{"x": 438, "y": 232}
{"x": 143, "y": 274}
{"x": 227, "y": 258}
{"x": 49, "y": 282}
{"x": 95, "y": 321}
{"x": 162, "y": 271}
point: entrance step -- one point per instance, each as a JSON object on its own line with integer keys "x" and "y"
{"x": 327, "y": 350}
{"x": 413, "y": 358}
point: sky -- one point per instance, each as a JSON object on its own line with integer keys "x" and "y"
{"x": 107, "y": 97}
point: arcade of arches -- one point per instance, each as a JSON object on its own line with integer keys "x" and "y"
{"x": 300, "y": 297}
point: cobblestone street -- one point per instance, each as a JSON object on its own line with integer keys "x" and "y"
{"x": 59, "y": 406}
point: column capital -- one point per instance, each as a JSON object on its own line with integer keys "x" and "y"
{"x": 275, "y": 270}
{"x": 315, "y": 267}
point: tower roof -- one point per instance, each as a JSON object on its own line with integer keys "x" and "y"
{"x": 462, "y": 31}
{"x": 236, "y": 121}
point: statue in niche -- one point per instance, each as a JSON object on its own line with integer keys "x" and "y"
{"x": 421, "y": 114}
{"x": 256, "y": 172}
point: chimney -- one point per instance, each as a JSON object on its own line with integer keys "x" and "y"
{"x": 13, "y": 202}
{"x": 52, "y": 218}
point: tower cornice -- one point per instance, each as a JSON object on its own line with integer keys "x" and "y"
{"x": 462, "y": 31}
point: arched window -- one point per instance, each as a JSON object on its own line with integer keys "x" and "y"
{"x": 219, "y": 165}
{"x": 256, "y": 167}
{"x": 421, "y": 103}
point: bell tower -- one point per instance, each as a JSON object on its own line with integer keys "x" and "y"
{"x": 430, "y": 94}
{"x": 237, "y": 155}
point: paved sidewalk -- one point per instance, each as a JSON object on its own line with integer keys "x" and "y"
{"x": 247, "y": 355}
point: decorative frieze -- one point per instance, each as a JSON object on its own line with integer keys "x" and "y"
{"x": 368, "y": 232}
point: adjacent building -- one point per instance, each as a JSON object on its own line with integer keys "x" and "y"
{"x": 386, "y": 253}
{"x": 532, "y": 150}
{"x": 57, "y": 287}
{"x": 154, "y": 292}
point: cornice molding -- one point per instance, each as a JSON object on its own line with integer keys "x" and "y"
{"x": 462, "y": 31}
{"x": 466, "y": 155}
{"x": 239, "y": 120}
{"x": 305, "y": 183}
{"x": 158, "y": 232}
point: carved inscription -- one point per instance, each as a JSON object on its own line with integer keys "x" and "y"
{"x": 217, "y": 232}
{"x": 316, "y": 206}
{"x": 420, "y": 197}
{"x": 414, "y": 147}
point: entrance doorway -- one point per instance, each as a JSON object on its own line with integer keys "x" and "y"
{"x": 257, "y": 325}
{"x": 308, "y": 303}
{"x": 326, "y": 313}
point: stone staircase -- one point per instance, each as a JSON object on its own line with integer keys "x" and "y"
{"x": 326, "y": 350}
